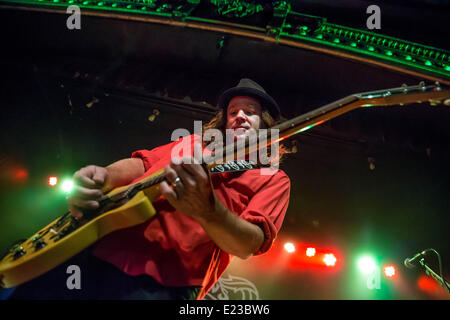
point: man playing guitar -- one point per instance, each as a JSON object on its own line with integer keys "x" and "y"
{"x": 202, "y": 220}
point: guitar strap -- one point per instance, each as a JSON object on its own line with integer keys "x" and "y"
{"x": 234, "y": 166}
{"x": 211, "y": 276}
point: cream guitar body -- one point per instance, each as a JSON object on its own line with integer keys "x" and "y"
{"x": 66, "y": 236}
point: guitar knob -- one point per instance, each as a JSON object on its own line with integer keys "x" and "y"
{"x": 39, "y": 245}
{"x": 438, "y": 86}
{"x": 405, "y": 88}
{"x": 18, "y": 251}
{"x": 38, "y": 242}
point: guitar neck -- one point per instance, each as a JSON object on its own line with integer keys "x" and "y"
{"x": 389, "y": 97}
{"x": 316, "y": 117}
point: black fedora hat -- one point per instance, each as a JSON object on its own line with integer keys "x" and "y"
{"x": 250, "y": 88}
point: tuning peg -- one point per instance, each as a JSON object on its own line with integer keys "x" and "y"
{"x": 438, "y": 86}
{"x": 405, "y": 88}
{"x": 434, "y": 103}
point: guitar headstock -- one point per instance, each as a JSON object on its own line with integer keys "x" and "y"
{"x": 434, "y": 94}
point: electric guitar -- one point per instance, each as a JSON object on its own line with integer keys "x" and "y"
{"x": 131, "y": 205}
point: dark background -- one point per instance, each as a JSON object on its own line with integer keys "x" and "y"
{"x": 126, "y": 69}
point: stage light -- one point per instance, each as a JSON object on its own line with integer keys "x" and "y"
{"x": 52, "y": 181}
{"x": 428, "y": 285}
{"x": 310, "y": 252}
{"x": 389, "y": 271}
{"x": 330, "y": 260}
{"x": 366, "y": 264}
{"x": 20, "y": 175}
{"x": 67, "y": 186}
{"x": 289, "y": 247}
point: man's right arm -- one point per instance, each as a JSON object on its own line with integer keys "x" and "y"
{"x": 122, "y": 172}
{"x": 92, "y": 182}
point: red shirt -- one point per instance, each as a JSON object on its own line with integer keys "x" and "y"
{"x": 173, "y": 248}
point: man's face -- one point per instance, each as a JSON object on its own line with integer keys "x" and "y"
{"x": 243, "y": 114}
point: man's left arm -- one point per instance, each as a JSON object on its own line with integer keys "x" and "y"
{"x": 231, "y": 233}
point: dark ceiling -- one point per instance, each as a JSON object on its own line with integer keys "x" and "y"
{"x": 74, "y": 98}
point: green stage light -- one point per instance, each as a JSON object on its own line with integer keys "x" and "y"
{"x": 67, "y": 186}
{"x": 366, "y": 264}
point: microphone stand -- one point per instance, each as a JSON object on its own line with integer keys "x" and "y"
{"x": 436, "y": 277}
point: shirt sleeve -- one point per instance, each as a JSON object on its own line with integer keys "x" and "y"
{"x": 268, "y": 207}
{"x": 149, "y": 157}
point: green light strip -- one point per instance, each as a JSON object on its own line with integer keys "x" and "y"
{"x": 438, "y": 63}
{"x": 382, "y": 47}
{"x": 128, "y": 6}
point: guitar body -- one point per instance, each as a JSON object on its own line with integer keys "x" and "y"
{"x": 25, "y": 262}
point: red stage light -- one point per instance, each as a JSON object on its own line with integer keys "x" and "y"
{"x": 428, "y": 284}
{"x": 310, "y": 252}
{"x": 390, "y": 271}
{"x": 52, "y": 181}
{"x": 20, "y": 174}
{"x": 329, "y": 259}
{"x": 289, "y": 247}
